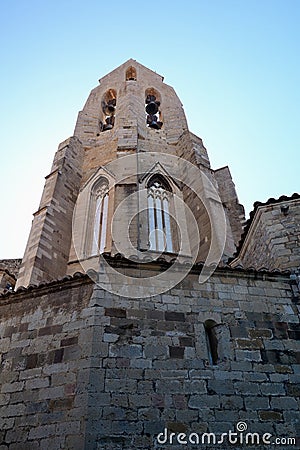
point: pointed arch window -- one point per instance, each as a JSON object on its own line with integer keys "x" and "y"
{"x": 99, "y": 217}
{"x": 160, "y": 232}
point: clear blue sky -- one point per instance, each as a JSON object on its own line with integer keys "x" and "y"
{"x": 234, "y": 64}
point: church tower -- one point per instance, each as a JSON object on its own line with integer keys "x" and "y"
{"x": 132, "y": 181}
{"x": 145, "y": 313}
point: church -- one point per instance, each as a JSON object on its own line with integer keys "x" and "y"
{"x": 147, "y": 312}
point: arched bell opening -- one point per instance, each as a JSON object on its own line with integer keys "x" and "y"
{"x": 152, "y": 106}
{"x": 108, "y": 106}
{"x": 131, "y": 74}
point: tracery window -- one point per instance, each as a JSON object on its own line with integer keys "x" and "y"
{"x": 160, "y": 232}
{"x": 100, "y": 213}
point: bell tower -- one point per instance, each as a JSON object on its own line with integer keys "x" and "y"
{"x": 122, "y": 185}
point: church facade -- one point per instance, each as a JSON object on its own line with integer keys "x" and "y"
{"x": 146, "y": 312}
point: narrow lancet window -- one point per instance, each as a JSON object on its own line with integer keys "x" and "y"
{"x": 100, "y": 220}
{"x": 211, "y": 341}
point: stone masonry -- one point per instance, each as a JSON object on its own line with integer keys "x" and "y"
{"x": 85, "y": 369}
{"x": 273, "y": 238}
{"x": 82, "y": 368}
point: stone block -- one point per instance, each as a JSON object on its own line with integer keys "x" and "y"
{"x": 272, "y": 416}
{"x": 138, "y": 400}
{"x": 220, "y": 387}
{"x": 54, "y": 443}
{"x": 272, "y": 389}
{"x": 12, "y": 387}
{"x": 169, "y": 386}
{"x": 248, "y": 355}
{"x": 37, "y": 383}
{"x": 194, "y": 387}
{"x": 7, "y": 423}
{"x": 282, "y": 403}
{"x": 204, "y": 401}
{"x": 233, "y": 402}
{"x": 246, "y": 388}
{"x": 293, "y": 389}
{"x": 155, "y": 351}
{"x": 154, "y": 427}
{"x": 51, "y": 392}
{"x": 69, "y": 341}
{"x": 176, "y": 352}
{"x": 36, "y": 407}
{"x": 42, "y": 432}
{"x": 255, "y": 376}
{"x": 115, "y": 312}
{"x": 256, "y": 403}
{"x": 4, "y": 399}
{"x": 13, "y": 410}
{"x": 174, "y": 316}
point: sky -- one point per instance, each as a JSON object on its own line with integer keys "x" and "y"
{"x": 234, "y": 64}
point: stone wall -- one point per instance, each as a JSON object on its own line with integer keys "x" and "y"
{"x": 11, "y": 265}
{"x": 106, "y": 372}
{"x": 157, "y": 371}
{"x": 273, "y": 239}
{"x": 45, "y": 360}
{"x": 9, "y": 269}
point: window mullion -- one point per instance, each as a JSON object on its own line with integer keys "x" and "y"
{"x": 97, "y": 224}
{"x": 168, "y": 233}
{"x": 151, "y": 222}
{"x": 103, "y": 224}
{"x": 159, "y": 228}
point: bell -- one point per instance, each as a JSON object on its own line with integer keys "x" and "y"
{"x": 109, "y": 107}
{"x": 152, "y": 108}
{"x": 107, "y": 126}
{"x": 150, "y": 98}
{"x": 109, "y": 110}
{"x": 109, "y": 123}
{"x": 153, "y": 123}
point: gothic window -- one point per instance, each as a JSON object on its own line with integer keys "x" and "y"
{"x": 131, "y": 74}
{"x": 211, "y": 341}
{"x": 159, "y": 197}
{"x": 100, "y": 198}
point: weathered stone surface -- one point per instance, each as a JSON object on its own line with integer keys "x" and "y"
{"x": 83, "y": 368}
